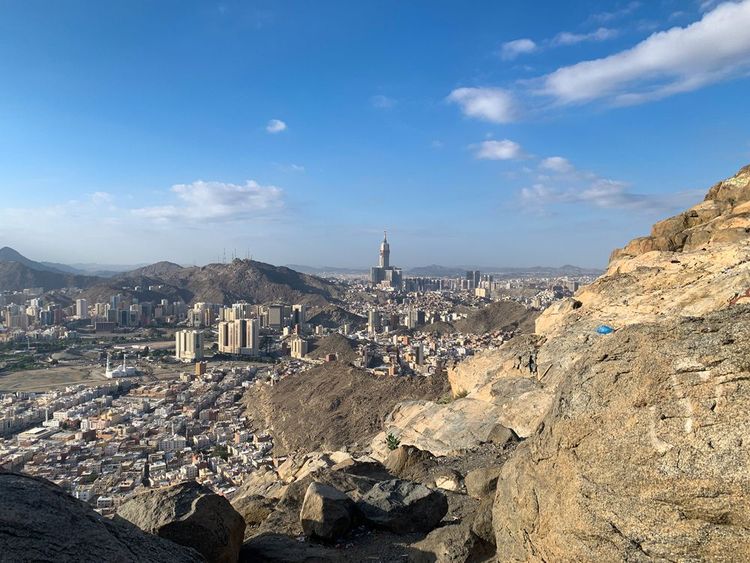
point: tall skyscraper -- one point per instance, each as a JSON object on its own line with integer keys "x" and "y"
{"x": 385, "y": 252}
{"x": 384, "y": 274}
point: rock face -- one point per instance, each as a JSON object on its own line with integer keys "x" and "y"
{"x": 40, "y": 522}
{"x": 191, "y": 515}
{"x": 641, "y": 456}
{"x": 326, "y": 513}
{"x": 505, "y": 396}
{"x": 403, "y": 506}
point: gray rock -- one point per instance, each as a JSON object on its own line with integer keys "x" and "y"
{"x": 482, "y": 482}
{"x": 403, "y": 506}
{"x": 285, "y": 517}
{"x": 409, "y": 462}
{"x": 326, "y": 512}
{"x": 481, "y": 526}
{"x": 254, "y": 510}
{"x": 364, "y": 468}
{"x": 453, "y": 543}
{"x": 189, "y": 514}
{"x": 40, "y": 522}
{"x": 279, "y": 548}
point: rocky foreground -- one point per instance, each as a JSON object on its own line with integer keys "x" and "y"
{"x": 563, "y": 445}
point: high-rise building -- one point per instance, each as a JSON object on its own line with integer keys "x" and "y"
{"x": 239, "y": 337}
{"x": 299, "y": 316}
{"x": 384, "y": 274}
{"x": 188, "y": 345}
{"x": 373, "y": 322}
{"x": 275, "y": 315}
{"x": 473, "y": 276}
{"x": 82, "y": 309}
{"x": 298, "y": 347}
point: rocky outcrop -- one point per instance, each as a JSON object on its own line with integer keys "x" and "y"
{"x": 189, "y": 514}
{"x": 40, "y": 522}
{"x": 501, "y": 396}
{"x": 326, "y": 513}
{"x": 402, "y": 506}
{"x": 642, "y": 456}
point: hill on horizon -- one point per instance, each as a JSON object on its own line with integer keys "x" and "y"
{"x": 239, "y": 280}
{"x": 17, "y": 272}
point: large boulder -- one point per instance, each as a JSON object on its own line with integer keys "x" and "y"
{"x": 254, "y": 510}
{"x": 482, "y": 481}
{"x": 453, "y": 543}
{"x": 285, "y": 517}
{"x": 409, "y": 462}
{"x": 643, "y": 455}
{"x": 403, "y": 506}
{"x": 40, "y": 522}
{"x": 326, "y": 513}
{"x": 189, "y": 514}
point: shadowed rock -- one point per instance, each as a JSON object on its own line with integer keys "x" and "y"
{"x": 189, "y": 514}
{"x": 40, "y": 522}
{"x": 326, "y": 513}
{"x": 403, "y": 506}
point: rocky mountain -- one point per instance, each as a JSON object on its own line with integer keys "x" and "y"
{"x": 248, "y": 280}
{"x": 8, "y": 254}
{"x": 17, "y": 275}
{"x": 499, "y": 315}
{"x": 332, "y": 405}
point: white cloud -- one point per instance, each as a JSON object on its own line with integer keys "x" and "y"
{"x": 512, "y": 49}
{"x": 556, "y": 164}
{"x": 600, "y": 34}
{"x": 499, "y": 150}
{"x": 276, "y": 126}
{"x": 489, "y": 104}
{"x": 382, "y": 102}
{"x": 102, "y": 198}
{"x": 216, "y": 201}
{"x": 603, "y": 17}
{"x": 567, "y": 185}
{"x": 678, "y": 60}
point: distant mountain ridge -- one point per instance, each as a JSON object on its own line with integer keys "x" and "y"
{"x": 256, "y": 282}
{"x": 248, "y": 280}
{"x": 18, "y": 272}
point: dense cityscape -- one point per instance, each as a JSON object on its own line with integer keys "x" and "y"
{"x": 108, "y": 398}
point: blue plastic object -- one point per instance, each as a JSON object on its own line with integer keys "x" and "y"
{"x": 605, "y": 329}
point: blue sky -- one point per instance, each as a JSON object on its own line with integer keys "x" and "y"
{"x": 498, "y": 133}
